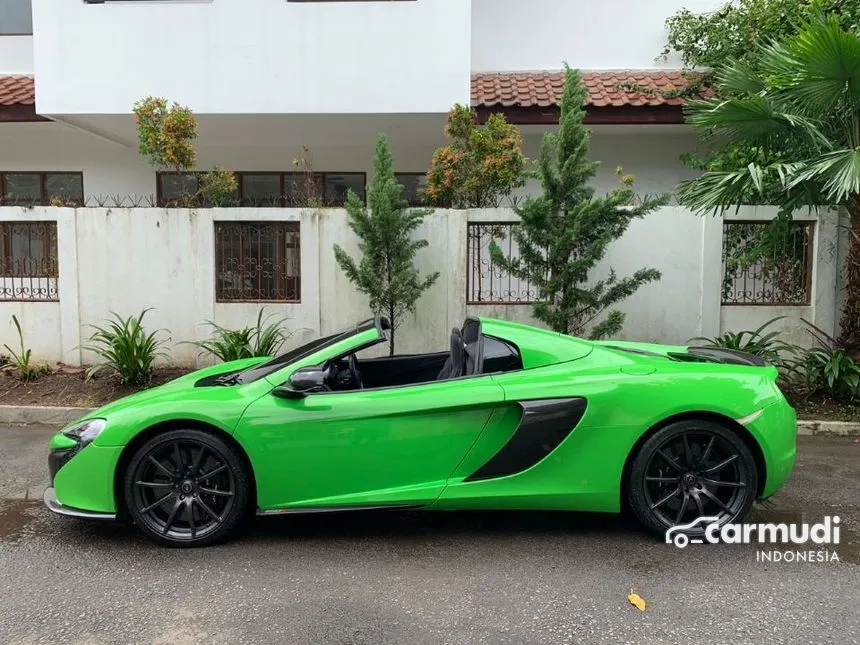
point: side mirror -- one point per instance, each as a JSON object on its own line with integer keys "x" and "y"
{"x": 304, "y": 380}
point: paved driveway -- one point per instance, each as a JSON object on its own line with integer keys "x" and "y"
{"x": 422, "y": 578}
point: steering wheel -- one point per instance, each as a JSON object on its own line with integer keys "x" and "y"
{"x": 354, "y": 373}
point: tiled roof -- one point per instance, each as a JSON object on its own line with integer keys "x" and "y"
{"x": 17, "y": 90}
{"x": 614, "y": 88}
{"x": 505, "y": 89}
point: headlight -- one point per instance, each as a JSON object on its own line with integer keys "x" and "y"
{"x": 86, "y": 431}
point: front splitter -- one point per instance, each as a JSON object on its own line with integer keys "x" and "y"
{"x": 54, "y": 505}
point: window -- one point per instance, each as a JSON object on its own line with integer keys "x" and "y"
{"x": 262, "y": 189}
{"x": 28, "y": 261}
{"x": 500, "y": 356}
{"x": 414, "y": 184}
{"x": 486, "y": 282}
{"x": 257, "y": 261}
{"x": 175, "y": 189}
{"x": 16, "y": 18}
{"x": 779, "y": 275}
{"x": 29, "y": 188}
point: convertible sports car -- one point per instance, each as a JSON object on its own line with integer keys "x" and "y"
{"x": 511, "y": 417}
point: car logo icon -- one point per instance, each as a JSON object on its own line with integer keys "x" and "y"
{"x": 676, "y": 535}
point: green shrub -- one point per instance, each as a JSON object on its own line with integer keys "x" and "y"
{"x": 826, "y": 370}
{"x": 767, "y": 345}
{"x": 263, "y": 339}
{"x": 126, "y": 349}
{"x": 22, "y": 360}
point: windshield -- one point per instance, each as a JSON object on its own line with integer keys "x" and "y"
{"x": 260, "y": 371}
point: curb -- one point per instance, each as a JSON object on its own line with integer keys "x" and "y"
{"x": 828, "y": 428}
{"x": 46, "y": 415}
{"x": 40, "y": 415}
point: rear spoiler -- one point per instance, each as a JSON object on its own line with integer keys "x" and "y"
{"x": 720, "y": 355}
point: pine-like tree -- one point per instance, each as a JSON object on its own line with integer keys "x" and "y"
{"x": 565, "y": 232}
{"x": 385, "y": 272}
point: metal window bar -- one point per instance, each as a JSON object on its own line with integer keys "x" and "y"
{"x": 486, "y": 282}
{"x": 257, "y": 261}
{"x": 780, "y": 277}
{"x": 28, "y": 261}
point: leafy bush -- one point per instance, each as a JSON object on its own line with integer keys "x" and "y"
{"x": 165, "y": 133}
{"x": 767, "y": 345}
{"x": 218, "y": 187}
{"x": 482, "y": 165}
{"x": 264, "y": 339}
{"x": 126, "y": 349}
{"x": 21, "y": 360}
{"x": 826, "y": 370}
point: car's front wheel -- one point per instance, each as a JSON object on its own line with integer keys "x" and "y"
{"x": 689, "y": 470}
{"x": 186, "y": 488}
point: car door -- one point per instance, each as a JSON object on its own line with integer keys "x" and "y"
{"x": 385, "y": 446}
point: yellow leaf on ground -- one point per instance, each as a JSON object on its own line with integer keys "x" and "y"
{"x": 637, "y": 601}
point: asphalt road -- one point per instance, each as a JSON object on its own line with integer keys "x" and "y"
{"x": 423, "y": 578}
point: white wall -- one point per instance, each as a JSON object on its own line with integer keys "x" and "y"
{"x": 16, "y": 54}
{"x": 520, "y": 35}
{"x": 126, "y": 259}
{"x": 651, "y": 153}
{"x": 236, "y": 56}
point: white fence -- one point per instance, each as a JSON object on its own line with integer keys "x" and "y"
{"x": 124, "y": 260}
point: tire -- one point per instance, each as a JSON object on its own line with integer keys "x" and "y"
{"x": 691, "y": 469}
{"x": 186, "y": 488}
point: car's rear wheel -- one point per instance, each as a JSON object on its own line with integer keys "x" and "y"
{"x": 688, "y": 470}
{"x": 186, "y": 488}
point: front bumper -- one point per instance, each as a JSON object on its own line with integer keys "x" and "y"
{"x": 54, "y": 505}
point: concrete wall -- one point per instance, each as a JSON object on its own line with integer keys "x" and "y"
{"x": 651, "y": 153}
{"x": 515, "y": 35}
{"x": 126, "y": 259}
{"x": 241, "y": 57}
{"x": 16, "y": 54}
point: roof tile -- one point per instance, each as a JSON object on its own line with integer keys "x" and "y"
{"x": 17, "y": 90}
{"x": 605, "y": 88}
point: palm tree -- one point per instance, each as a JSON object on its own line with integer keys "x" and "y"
{"x": 793, "y": 117}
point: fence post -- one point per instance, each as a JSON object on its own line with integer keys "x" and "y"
{"x": 825, "y": 271}
{"x": 711, "y": 272}
{"x": 67, "y": 285}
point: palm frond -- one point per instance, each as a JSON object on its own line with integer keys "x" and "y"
{"x": 837, "y": 171}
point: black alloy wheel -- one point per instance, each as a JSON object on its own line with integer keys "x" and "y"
{"x": 692, "y": 469}
{"x": 186, "y": 488}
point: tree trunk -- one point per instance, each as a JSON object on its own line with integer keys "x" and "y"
{"x": 850, "y": 338}
{"x": 391, "y": 331}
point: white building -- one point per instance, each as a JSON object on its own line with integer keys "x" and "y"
{"x": 268, "y": 77}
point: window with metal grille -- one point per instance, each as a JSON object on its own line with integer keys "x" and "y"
{"x": 28, "y": 261}
{"x": 41, "y": 188}
{"x": 778, "y": 273}
{"x": 257, "y": 261}
{"x": 486, "y": 282}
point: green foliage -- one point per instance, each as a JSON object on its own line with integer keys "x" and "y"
{"x": 566, "y": 231}
{"x": 826, "y": 370}
{"x": 481, "y": 166}
{"x": 263, "y": 339}
{"x": 385, "y": 272}
{"x": 797, "y": 103}
{"x": 218, "y": 187}
{"x": 165, "y": 133}
{"x": 735, "y": 30}
{"x": 126, "y": 349}
{"x": 767, "y": 345}
{"x": 21, "y": 360}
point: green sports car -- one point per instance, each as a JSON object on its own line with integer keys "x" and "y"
{"x": 511, "y": 417}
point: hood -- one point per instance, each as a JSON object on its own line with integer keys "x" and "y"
{"x": 205, "y": 377}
